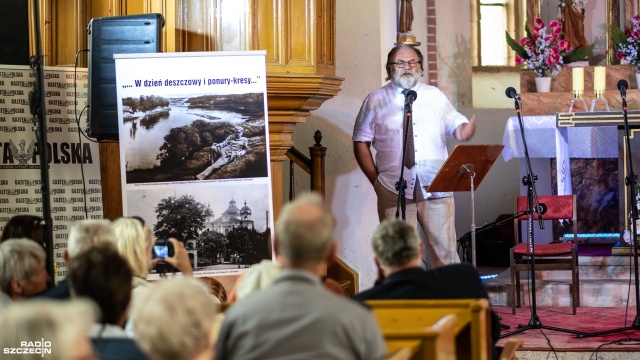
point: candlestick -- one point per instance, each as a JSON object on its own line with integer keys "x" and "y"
{"x": 599, "y": 81}
{"x": 578, "y": 82}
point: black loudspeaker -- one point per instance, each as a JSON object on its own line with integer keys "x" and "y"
{"x": 129, "y": 34}
{"x": 14, "y": 27}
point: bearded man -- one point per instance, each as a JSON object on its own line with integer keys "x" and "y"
{"x": 380, "y": 123}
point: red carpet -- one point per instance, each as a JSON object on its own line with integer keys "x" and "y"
{"x": 586, "y": 320}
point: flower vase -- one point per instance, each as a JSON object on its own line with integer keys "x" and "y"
{"x": 638, "y": 79}
{"x": 543, "y": 84}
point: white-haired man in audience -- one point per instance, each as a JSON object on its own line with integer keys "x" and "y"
{"x": 296, "y": 317}
{"x": 398, "y": 253}
{"x": 82, "y": 235}
{"x": 176, "y": 319}
{"x": 52, "y": 330}
{"x": 22, "y": 270}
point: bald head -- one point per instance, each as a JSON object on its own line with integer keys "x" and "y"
{"x": 304, "y": 231}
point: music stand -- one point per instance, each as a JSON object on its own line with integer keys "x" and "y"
{"x": 463, "y": 171}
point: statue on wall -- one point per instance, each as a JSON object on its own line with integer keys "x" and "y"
{"x": 571, "y": 14}
{"x": 405, "y": 19}
{"x": 406, "y": 16}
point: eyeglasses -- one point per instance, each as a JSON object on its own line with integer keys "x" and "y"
{"x": 401, "y": 63}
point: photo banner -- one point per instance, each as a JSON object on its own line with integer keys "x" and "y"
{"x": 194, "y": 150}
{"x": 71, "y": 154}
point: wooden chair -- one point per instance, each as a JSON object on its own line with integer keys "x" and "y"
{"x": 472, "y": 329}
{"x": 426, "y": 343}
{"x": 560, "y": 256}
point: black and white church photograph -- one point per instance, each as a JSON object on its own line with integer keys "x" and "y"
{"x": 225, "y": 226}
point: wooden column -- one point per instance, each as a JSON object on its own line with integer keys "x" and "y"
{"x": 318, "y": 154}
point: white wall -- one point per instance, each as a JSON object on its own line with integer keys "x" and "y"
{"x": 454, "y": 50}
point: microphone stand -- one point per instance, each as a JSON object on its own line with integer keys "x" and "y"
{"x": 401, "y": 184}
{"x": 532, "y": 197}
{"x": 630, "y": 181}
{"x": 37, "y": 108}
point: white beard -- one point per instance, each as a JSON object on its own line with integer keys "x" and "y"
{"x": 406, "y": 82}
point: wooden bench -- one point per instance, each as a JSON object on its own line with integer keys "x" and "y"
{"x": 509, "y": 349}
{"x": 472, "y": 329}
{"x": 427, "y": 343}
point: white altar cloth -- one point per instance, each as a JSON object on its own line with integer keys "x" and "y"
{"x": 541, "y": 133}
{"x": 545, "y": 140}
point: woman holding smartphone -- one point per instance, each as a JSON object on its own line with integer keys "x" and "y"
{"x": 136, "y": 244}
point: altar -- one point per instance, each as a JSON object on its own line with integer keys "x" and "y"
{"x": 542, "y": 136}
{"x": 585, "y": 158}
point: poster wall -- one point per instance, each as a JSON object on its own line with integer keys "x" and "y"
{"x": 194, "y": 153}
{"x": 74, "y": 163}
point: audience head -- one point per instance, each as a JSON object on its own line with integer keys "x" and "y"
{"x": 86, "y": 233}
{"x": 102, "y": 275}
{"x": 24, "y": 226}
{"x": 22, "y": 268}
{"x": 395, "y": 244}
{"x": 258, "y": 277}
{"x": 304, "y": 231}
{"x": 175, "y": 319}
{"x": 63, "y": 326}
{"x": 135, "y": 241}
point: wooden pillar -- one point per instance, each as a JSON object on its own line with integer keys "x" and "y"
{"x": 318, "y": 154}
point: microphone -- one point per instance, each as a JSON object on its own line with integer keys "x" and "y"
{"x": 512, "y": 94}
{"x": 623, "y": 85}
{"x": 409, "y": 96}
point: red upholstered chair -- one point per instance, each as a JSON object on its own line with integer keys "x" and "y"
{"x": 548, "y": 257}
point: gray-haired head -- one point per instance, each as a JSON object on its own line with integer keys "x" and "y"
{"x": 184, "y": 303}
{"x": 62, "y": 326}
{"x": 395, "y": 243}
{"x": 89, "y": 232}
{"x": 304, "y": 231}
{"x": 21, "y": 259}
{"x": 392, "y": 56}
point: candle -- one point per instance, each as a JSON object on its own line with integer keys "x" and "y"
{"x": 578, "y": 82}
{"x": 599, "y": 81}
